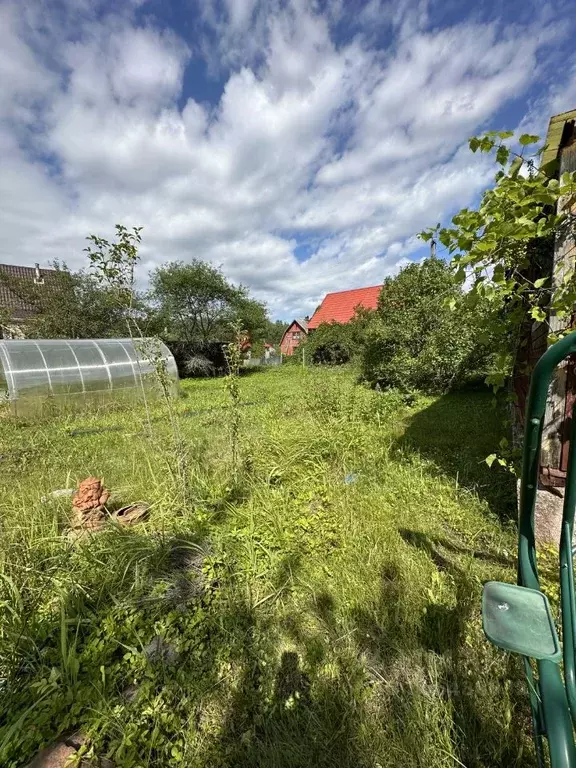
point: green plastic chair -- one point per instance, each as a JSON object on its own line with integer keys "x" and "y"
{"x": 517, "y": 618}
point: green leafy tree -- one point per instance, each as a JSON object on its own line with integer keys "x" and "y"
{"x": 503, "y": 250}
{"x": 275, "y": 331}
{"x": 414, "y": 340}
{"x": 251, "y": 316}
{"x": 199, "y": 304}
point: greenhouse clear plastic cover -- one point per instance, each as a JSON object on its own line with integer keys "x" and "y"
{"x": 34, "y": 373}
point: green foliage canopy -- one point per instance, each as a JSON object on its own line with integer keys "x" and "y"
{"x": 330, "y": 343}
{"x": 497, "y": 248}
{"x": 198, "y": 303}
{"x": 337, "y": 343}
{"x": 275, "y": 331}
{"x": 414, "y": 340}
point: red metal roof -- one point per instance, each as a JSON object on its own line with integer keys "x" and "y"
{"x": 339, "y": 307}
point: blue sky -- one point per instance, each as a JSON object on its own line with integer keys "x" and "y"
{"x": 299, "y": 145}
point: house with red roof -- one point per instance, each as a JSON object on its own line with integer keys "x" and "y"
{"x": 340, "y": 307}
{"x": 293, "y": 335}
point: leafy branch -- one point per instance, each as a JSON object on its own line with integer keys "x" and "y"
{"x": 497, "y": 250}
{"x": 115, "y": 261}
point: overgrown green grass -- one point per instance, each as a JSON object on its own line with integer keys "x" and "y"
{"x": 319, "y": 604}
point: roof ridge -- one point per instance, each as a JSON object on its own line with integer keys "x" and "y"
{"x": 560, "y": 115}
{"x": 349, "y": 290}
{"x": 25, "y": 266}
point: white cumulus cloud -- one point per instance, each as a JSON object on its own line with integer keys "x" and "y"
{"x": 337, "y": 146}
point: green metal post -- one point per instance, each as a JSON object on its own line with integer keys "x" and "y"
{"x": 537, "y": 716}
{"x": 567, "y": 576}
{"x": 568, "y": 611}
{"x": 557, "y": 720}
{"x": 535, "y": 410}
{"x": 558, "y": 699}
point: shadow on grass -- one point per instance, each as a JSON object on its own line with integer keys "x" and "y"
{"x": 457, "y": 432}
{"x": 420, "y": 659}
{"x": 295, "y": 717}
{"x": 433, "y": 546}
{"x": 285, "y": 711}
{"x": 276, "y": 703}
{"x": 273, "y": 707}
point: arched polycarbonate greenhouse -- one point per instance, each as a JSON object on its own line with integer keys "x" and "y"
{"x": 34, "y": 373}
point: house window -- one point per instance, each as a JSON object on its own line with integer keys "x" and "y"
{"x": 296, "y": 335}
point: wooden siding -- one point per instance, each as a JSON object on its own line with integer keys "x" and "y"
{"x": 293, "y": 335}
{"x": 555, "y": 435}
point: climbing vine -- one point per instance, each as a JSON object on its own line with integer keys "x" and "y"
{"x": 499, "y": 250}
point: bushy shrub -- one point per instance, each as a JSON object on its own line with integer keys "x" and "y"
{"x": 337, "y": 343}
{"x": 330, "y": 343}
{"x": 415, "y": 340}
{"x": 296, "y": 357}
{"x": 199, "y": 365}
{"x": 198, "y": 358}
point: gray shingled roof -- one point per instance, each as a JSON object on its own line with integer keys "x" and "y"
{"x": 8, "y": 299}
{"x": 302, "y": 322}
